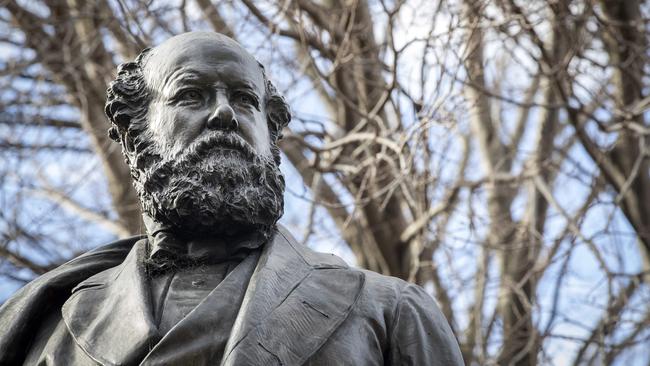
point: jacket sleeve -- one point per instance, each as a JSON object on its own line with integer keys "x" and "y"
{"x": 420, "y": 334}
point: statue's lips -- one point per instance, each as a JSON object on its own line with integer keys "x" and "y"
{"x": 221, "y": 141}
{"x": 227, "y": 148}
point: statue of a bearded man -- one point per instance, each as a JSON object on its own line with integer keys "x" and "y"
{"x": 215, "y": 280}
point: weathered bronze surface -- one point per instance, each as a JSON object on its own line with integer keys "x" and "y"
{"x": 215, "y": 280}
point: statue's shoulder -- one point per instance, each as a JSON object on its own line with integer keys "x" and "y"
{"x": 78, "y": 269}
{"x": 110, "y": 255}
{"x": 417, "y": 330}
{"x": 314, "y": 259}
{"x": 376, "y": 286}
{"x": 21, "y": 315}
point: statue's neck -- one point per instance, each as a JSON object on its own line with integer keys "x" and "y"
{"x": 165, "y": 241}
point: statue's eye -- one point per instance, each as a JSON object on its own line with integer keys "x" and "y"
{"x": 190, "y": 95}
{"x": 246, "y": 98}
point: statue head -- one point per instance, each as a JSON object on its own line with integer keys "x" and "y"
{"x": 199, "y": 123}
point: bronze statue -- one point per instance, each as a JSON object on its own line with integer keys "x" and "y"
{"x": 215, "y": 280}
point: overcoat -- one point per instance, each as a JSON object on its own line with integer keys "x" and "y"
{"x": 300, "y": 308}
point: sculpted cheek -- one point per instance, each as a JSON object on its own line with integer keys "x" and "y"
{"x": 187, "y": 125}
{"x": 260, "y": 137}
{"x": 263, "y": 143}
{"x": 175, "y": 128}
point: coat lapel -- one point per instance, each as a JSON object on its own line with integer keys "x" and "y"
{"x": 200, "y": 337}
{"x": 295, "y": 300}
{"x": 109, "y": 315}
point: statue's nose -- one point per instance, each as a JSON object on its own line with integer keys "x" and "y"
{"x": 223, "y": 118}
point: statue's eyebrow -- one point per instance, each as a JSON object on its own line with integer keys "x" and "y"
{"x": 195, "y": 77}
{"x": 243, "y": 85}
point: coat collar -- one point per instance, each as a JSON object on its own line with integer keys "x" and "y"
{"x": 295, "y": 300}
{"x": 109, "y": 315}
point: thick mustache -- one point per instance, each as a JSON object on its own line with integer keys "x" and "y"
{"x": 218, "y": 140}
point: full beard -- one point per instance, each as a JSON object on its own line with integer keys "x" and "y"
{"x": 218, "y": 186}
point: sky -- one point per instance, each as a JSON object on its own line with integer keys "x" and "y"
{"x": 583, "y": 293}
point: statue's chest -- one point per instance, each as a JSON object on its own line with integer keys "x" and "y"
{"x": 176, "y": 294}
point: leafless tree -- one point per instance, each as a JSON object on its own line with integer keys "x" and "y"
{"x": 495, "y": 152}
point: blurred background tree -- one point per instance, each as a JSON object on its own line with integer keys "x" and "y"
{"x": 495, "y": 152}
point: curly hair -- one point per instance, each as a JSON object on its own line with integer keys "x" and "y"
{"x": 127, "y": 103}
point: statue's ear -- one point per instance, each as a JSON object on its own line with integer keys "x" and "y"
{"x": 118, "y": 113}
{"x": 278, "y": 115}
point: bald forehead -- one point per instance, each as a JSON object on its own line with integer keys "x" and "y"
{"x": 201, "y": 52}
